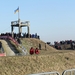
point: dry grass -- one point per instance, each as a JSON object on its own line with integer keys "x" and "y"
{"x": 32, "y": 42}
{"x": 22, "y": 65}
{"x": 48, "y": 60}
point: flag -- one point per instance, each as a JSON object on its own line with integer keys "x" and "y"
{"x": 17, "y": 10}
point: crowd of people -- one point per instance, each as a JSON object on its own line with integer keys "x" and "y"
{"x": 21, "y": 35}
{"x": 58, "y": 45}
{"x": 24, "y": 35}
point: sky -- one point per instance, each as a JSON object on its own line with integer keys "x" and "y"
{"x": 52, "y": 20}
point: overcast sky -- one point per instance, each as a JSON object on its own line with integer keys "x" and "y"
{"x": 53, "y": 20}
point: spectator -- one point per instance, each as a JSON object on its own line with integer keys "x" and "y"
{"x": 32, "y": 35}
{"x": 27, "y": 35}
{"x": 19, "y": 35}
{"x": 32, "y": 50}
{"x": 36, "y": 51}
{"x": 19, "y": 41}
{"x": 39, "y": 46}
{"x": 45, "y": 46}
{"x": 36, "y": 35}
{"x": 0, "y": 45}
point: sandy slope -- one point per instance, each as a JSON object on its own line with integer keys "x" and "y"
{"x": 47, "y": 61}
{"x": 7, "y": 49}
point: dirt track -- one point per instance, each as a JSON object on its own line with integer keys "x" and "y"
{"x": 7, "y": 49}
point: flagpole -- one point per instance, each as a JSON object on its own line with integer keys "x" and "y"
{"x": 18, "y": 14}
{"x": 19, "y": 18}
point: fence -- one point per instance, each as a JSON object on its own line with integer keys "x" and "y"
{"x": 69, "y": 72}
{"x": 47, "y": 73}
{"x": 66, "y": 72}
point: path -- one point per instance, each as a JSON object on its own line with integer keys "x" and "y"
{"x": 7, "y": 49}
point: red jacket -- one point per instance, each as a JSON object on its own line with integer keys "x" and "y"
{"x": 31, "y": 51}
{"x": 36, "y": 51}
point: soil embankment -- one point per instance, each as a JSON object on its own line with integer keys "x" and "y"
{"x": 7, "y": 49}
{"x": 23, "y": 65}
{"x": 47, "y": 61}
